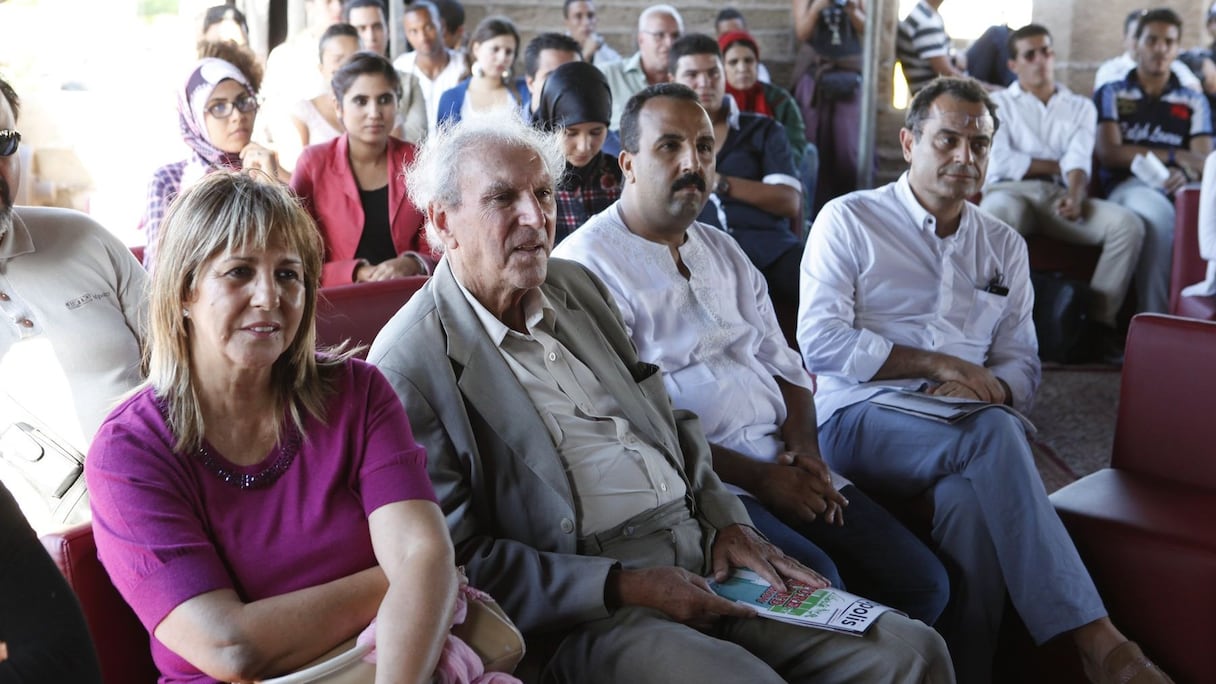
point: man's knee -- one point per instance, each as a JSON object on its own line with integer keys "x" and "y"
{"x": 1008, "y": 207}
{"x": 913, "y": 649}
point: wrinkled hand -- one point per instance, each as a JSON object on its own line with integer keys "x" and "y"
{"x": 740, "y": 546}
{"x": 982, "y": 383}
{"x": 677, "y": 593}
{"x": 1175, "y": 182}
{"x": 400, "y": 267}
{"x": 256, "y": 157}
{"x": 798, "y": 487}
{"x": 1070, "y": 208}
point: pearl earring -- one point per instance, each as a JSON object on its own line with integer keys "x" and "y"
{"x": 185, "y": 313}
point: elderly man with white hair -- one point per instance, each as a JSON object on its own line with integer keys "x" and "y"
{"x": 659, "y": 26}
{"x": 573, "y": 492}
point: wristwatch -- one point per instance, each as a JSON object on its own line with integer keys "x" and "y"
{"x": 722, "y": 187}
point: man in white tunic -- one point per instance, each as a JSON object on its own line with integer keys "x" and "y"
{"x": 695, "y": 306}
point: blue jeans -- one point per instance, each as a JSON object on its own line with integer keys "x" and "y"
{"x": 872, "y": 555}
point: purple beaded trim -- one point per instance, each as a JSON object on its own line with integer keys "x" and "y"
{"x": 289, "y": 446}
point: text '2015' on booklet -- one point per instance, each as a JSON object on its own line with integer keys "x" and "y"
{"x": 941, "y": 409}
{"x": 830, "y": 609}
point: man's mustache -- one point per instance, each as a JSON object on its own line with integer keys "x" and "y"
{"x": 687, "y": 180}
{"x": 959, "y": 170}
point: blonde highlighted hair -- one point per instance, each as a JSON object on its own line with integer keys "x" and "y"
{"x": 224, "y": 212}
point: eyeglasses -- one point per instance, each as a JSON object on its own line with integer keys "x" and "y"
{"x": 9, "y": 142}
{"x": 223, "y": 109}
{"x": 1044, "y": 52}
{"x": 660, "y": 35}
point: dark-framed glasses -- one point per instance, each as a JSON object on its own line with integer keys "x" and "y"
{"x": 10, "y": 140}
{"x": 223, "y": 108}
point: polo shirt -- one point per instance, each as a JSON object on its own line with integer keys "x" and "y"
{"x": 1166, "y": 121}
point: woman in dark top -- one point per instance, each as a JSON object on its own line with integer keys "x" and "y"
{"x": 576, "y": 101}
{"x": 828, "y": 87}
{"x": 353, "y": 186}
{"x": 43, "y": 637}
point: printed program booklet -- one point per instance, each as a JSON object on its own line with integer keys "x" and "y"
{"x": 830, "y": 609}
{"x": 941, "y": 409}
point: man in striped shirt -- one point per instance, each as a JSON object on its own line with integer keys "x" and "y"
{"x": 922, "y": 46}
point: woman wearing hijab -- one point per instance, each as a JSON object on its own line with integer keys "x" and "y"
{"x": 576, "y": 100}
{"x": 215, "y": 110}
{"x": 741, "y": 56}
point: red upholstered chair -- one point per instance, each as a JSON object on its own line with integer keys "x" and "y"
{"x": 122, "y": 642}
{"x": 1188, "y": 266}
{"x": 138, "y": 251}
{"x": 1144, "y": 525}
{"x": 357, "y": 312}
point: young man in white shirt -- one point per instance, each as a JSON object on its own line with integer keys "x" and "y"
{"x": 695, "y": 306}
{"x": 909, "y": 286}
{"x": 436, "y": 67}
{"x": 1040, "y": 170}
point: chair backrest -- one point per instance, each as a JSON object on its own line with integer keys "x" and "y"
{"x": 1167, "y": 397}
{"x": 123, "y": 645}
{"x": 357, "y": 312}
{"x": 1188, "y": 267}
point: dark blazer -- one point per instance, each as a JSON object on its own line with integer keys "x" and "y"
{"x": 324, "y": 181}
{"x": 498, "y": 476}
{"x": 452, "y": 100}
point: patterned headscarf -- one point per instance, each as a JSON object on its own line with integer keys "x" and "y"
{"x": 192, "y": 110}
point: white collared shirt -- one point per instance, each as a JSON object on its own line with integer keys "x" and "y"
{"x": 1062, "y": 129}
{"x": 432, "y": 90}
{"x": 875, "y": 274}
{"x": 614, "y": 473}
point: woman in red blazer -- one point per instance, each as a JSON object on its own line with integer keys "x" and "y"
{"x": 354, "y": 187}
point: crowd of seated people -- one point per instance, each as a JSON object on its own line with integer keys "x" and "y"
{"x": 237, "y": 455}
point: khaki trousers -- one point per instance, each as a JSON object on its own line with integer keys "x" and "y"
{"x": 1028, "y": 206}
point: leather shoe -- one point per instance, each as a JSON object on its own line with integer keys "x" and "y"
{"x": 1127, "y": 664}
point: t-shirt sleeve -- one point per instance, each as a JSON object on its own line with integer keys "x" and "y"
{"x": 393, "y": 466}
{"x": 777, "y": 160}
{"x": 147, "y": 517}
{"x": 1104, "y": 100}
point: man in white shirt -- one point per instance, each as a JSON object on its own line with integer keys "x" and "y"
{"x": 696, "y": 307}
{"x": 72, "y": 308}
{"x": 575, "y": 493}
{"x": 911, "y": 287}
{"x": 436, "y": 67}
{"x": 1116, "y": 68}
{"x": 1040, "y": 170}
{"x": 291, "y": 68}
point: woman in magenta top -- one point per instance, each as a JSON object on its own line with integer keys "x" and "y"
{"x": 256, "y": 503}
{"x": 353, "y": 185}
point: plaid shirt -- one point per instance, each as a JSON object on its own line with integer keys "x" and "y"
{"x": 578, "y": 201}
{"x": 166, "y": 182}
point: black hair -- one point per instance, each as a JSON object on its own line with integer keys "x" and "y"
{"x": 333, "y": 32}
{"x": 362, "y": 63}
{"x": 1027, "y": 31}
{"x": 219, "y": 13}
{"x": 452, "y": 13}
{"x": 566, "y": 6}
{"x": 966, "y": 89}
{"x": 1161, "y": 15}
{"x": 547, "y": 41}
{"x": 350, "y": 5}
{"x": 1132, "y": 19}
{"x": 631, "y": 134}
{"x": 727, "y": 14}
{"x": 692, "y": 44}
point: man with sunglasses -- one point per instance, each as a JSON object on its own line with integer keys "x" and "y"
{"x": 1040, "y": 169}
{"x": 72, "y": 301}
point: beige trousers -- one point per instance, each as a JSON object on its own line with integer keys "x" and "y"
{"x": 1028, "y": 206}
